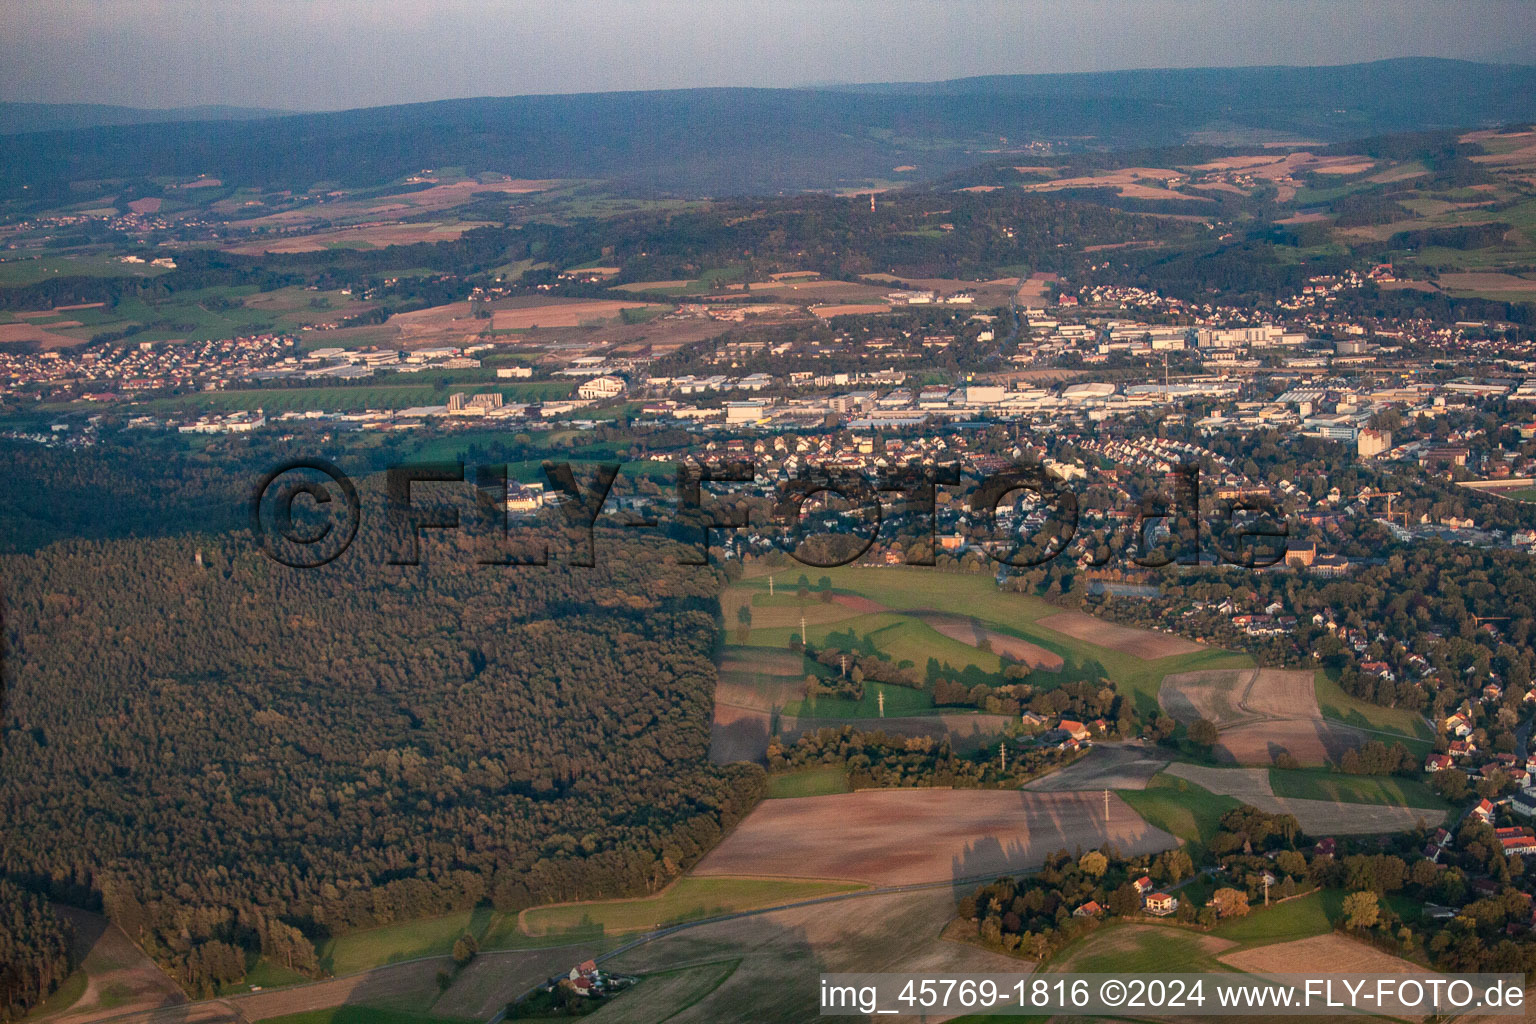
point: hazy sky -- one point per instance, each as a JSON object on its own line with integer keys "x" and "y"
{"x": 332, "y": 54}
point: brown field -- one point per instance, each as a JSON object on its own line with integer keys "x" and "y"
{"x": 42, "y": 336}
{"x": 1321, "y": 954}
{"x": 979, "y": 188}
{"x": 849, "y": 309}
{"x": 1260, "y": 713}
{"x": 375, "y": 236}
{"x": 439, "y": 197}
{"x": 897, "y": 837}
{"x": 1036, "y": 286}
{"x": 800, "y": 291}
{"x": 1142, "y": 643}
{"x": 782, "y": 953}
{"x": 1128, "y": 181}
{"x": 393, "y": 982}
{"x": 1350, "y": 168}
{"x": 858, "y": 604}
{"x": 767, "y": 662}
{"x": 148, "y": 205}
{"x": 560, "y": 313}
{"x": 1506, "y": 286}
{"x": 969, "y": 631}
{"x": 645, "y": 286}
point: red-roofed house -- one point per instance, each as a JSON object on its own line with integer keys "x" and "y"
{"x": 1089, "y": 909}
{"x": 1160, "y": 904}
{"x": 1077, "y": 730}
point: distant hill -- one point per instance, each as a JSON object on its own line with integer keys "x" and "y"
{"x": 754, "y": 141}
{"x": 16, "y": 118}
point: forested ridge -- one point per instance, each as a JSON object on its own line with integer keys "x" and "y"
{"x": 239, "y": 756}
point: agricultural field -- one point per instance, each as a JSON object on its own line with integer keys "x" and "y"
{"x": 1359, "y": 806}
{"x": 1391, "y": 724}
{"x": 661, "y": 995}
{"x": 1260, "y": 714}
{"x": 1180, "y": 807}
{"x": 781, "y": 954}
{"x": 688, "y": 899}
{"x": 906, "y": 612}
{"x": 808, "y": 782}
{"x": 1330, "y": 953}
{"x": 564, "y": 313}
{"x": 1123, "y": 766}
{"x": 16, "y": 272}
{"x": 376, "y": 236}
{"x": 904, "y": 836}
{"x": 1140, "y": 949}
{"x": 1387, "y": 791}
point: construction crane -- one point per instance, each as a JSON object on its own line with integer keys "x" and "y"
{"x": 1478, "y": 620}
{"x": 1389, "y": 495}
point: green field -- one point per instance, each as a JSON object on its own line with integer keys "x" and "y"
{"x": 1400, "y": 722}
{"x": 407, "y": 940}
{"x": 808, "y": 782}
{"x": 1136, "y": 949}
{"x": 1298, "y": 918}
{"x": 1321, "y": 784}
{"x": 900, "y": 701}
{"x": 687, "y": 899}
{"x": 901, "y": 636}
{"x": 18, "y": 272}
{"x": 1180, "y": 807}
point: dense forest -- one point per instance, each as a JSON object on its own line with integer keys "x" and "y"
{"x": 34, "y": 951}
{"x": 234, "y": 756}
{"x": 736, "y": 141}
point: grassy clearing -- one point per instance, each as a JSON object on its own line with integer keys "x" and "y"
{"x": 1299, "y": 918}
{"x": 1341, "y": 707}
{"x": 1179, "y": 807}
{"x": 687, "y": 899}
{"x": 1124, "y": 948}
{"x": 406, "y": 940}
{"x": 809, "y": 782}
{"x": 1387, "y": 791}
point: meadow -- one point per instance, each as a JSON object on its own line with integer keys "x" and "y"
{"x": 1180, "y": 807}
{"x": 883, "y": 610}
{"x": 1399, "y": 723}
{"x": 687, "y": 899}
